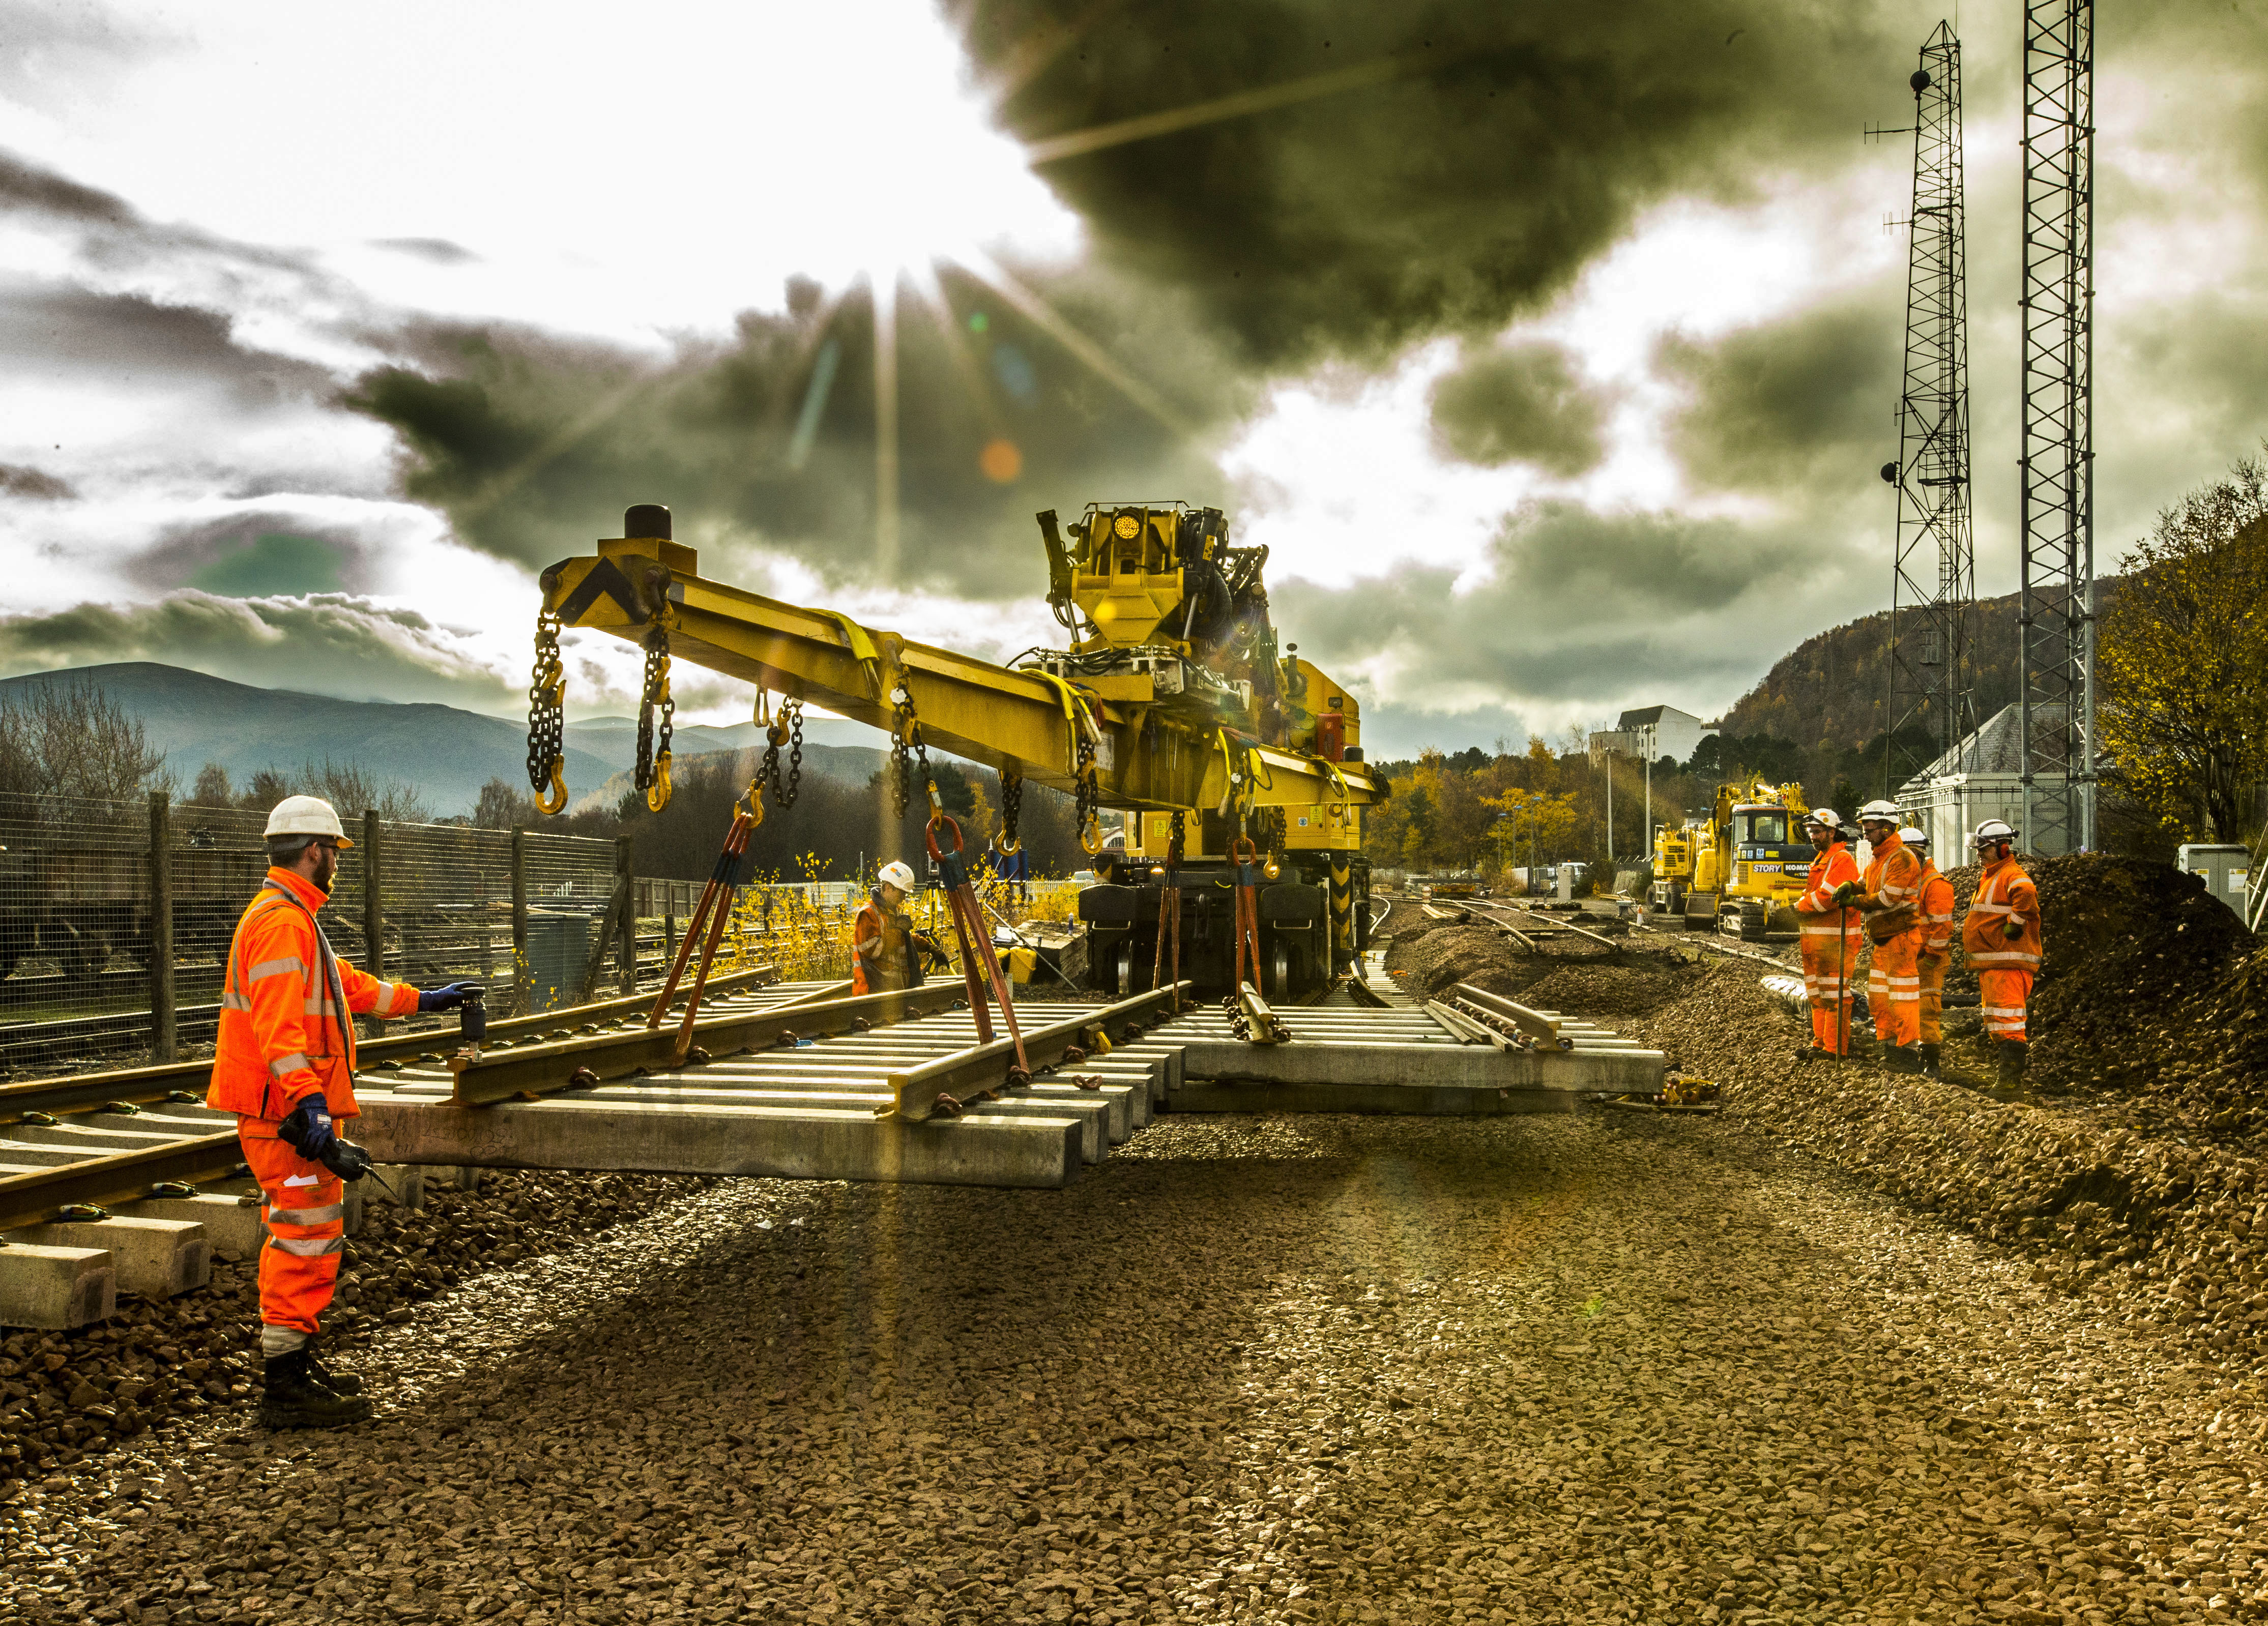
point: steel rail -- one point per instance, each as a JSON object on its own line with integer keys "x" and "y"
{"x": 34, "y": 1198}
{"x": 88, "y": 1092}
{"x": 950, "y": 1081}
{"x": 534, "y": 1069}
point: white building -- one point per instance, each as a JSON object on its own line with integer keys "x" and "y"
{"x": 1651, "y": 732}
{"x": 1980, "y": 779}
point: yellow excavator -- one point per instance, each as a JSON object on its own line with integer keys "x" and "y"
{"x": 1739, "y": 868}
{"x": 1170, "y": 703}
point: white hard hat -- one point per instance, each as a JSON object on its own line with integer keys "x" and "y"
{"x": 1827, "y": 816}
{"x": 1878, "y": 809}
{"x": 306, "y": 816}
{"x": 897, "y": 874}
{"x": 1993, "y": 830}
{"x": 1914, "y": 835}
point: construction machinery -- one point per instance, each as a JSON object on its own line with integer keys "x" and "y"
{"x": 1741, "y": 867}
{"x": 1236, "y": 768}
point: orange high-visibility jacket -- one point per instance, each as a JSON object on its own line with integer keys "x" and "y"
{"x": 1893, "y": 880}
{"x": 1830, "y": 869}
{"x": 1936, "y": 911}
{"x": 2003, "y": 892}
{"x": 285, "y": 1028}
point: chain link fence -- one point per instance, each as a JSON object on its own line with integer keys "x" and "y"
{"x": 82, "y": 970}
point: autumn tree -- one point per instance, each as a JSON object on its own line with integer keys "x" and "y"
{"x": 2182, "y": 660}
{"x": 68, "y": 739}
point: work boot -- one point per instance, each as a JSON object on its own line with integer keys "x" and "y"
{"x": 2008, "y": 1080}
{"x": 1901, "y": 1058}
{"x": 296, "y": 1400}
{"x": 1929, "y": 1061}
{"x": 336, "y": 1382}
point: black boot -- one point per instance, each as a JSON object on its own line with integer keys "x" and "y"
{"x": 1901, "y": 1058}
{"x": 1929, "y": 1061}
{"x": 336, "y": 1382}
{"x": 296, "y": 1400}
{"x": 2008, "y": 1080}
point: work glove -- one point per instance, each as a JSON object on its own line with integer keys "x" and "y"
{"x": 449, "y": 997}
{"x": 2012, "y": 928}
{"x": 307, "y": 1129}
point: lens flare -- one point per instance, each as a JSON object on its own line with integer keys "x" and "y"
{"x": 1001, "y": 460}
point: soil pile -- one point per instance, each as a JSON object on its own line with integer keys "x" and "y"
{"x": 1606, "y": 993}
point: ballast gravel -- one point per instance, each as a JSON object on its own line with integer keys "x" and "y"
{"x": 1613, "y": 1367}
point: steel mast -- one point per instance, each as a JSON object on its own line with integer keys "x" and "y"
{"x": 2055, "y": 461}
{"x": 1933, "y": 577}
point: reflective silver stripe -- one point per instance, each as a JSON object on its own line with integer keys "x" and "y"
{"x": 276, "y": 967}
{"x": 306, "y": 1216}
{"x": 235, "y": 1002}
{"x": 1991, "y": 909}
{"x": 385, "y": 991}
{"x": 308, "y": 1247}
{"x": 283, "y": 1066}
{"x": 2003, "y": 957}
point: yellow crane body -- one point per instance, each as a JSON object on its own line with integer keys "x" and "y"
{"x": 1740, "y": 867}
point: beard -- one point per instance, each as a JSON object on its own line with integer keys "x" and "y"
{"x": 325, "y": 867}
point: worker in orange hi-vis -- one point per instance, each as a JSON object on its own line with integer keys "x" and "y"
{"x": 2001, "y": 940}
{"x": 1936, "y": 948}
{"x": 1828, "y": 937}
{"x": 886, "y": 949}
{"x": 284, "y": 1065}
{"x": 1889, "y": 896}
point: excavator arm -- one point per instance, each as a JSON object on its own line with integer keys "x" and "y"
{"x": 1016, "y": 722}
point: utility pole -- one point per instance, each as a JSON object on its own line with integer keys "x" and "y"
{"x": 2056, "y": 461}
{"x": 1933, "y": 576}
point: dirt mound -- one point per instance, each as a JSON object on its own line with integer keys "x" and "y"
{"x": 1611, "y": 993}
{"x": 1426, "y": 963}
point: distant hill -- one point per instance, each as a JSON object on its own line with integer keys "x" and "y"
{"x": 446, "y": 753}
{"x": 852, "y": 764}
{"x": 1834, "y": 689}
{"x": 613, "y": 740}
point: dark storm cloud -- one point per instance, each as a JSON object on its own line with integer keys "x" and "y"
{"x": 1503, "y": 147}
{"x": 440, "y": 250}
{"x": 535, "y": 445}
{"x": 36, "y": 484}
{"x": 256, "y": 555}
{"x": 1575, "y": 605}
{"x": 1518, "y": 403}
{"x": 26, "y": 188}
{"x": 330, "y": 644}
{"x": 1806, "y": 400}
{"x": 66, "y": 332}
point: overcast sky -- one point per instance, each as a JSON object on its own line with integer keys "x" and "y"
{"x": 1551, "y": 354}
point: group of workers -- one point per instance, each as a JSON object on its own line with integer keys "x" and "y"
{"x": 1900, "y": 913}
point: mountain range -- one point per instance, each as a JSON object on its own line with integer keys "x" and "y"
{"x": 444, "y": 752}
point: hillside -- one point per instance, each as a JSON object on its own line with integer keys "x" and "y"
{"x": 851, "y": 764}
{"x": 1833, "y": 690}
{"x": 446, "y": 753}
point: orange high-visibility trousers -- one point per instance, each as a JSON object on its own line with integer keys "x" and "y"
{"x": 1894, "y": 989}
{"x": 1932, "y": 969}
{"x": 306, "y": 1220}
{"x": 1825, "y": 977}
{"x": 2002, "y": 993}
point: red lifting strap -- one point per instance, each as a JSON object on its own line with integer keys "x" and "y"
{"x": 1247, "y": 857}
{"x": 714, "y": 909}
{"x": 976, "y": 942}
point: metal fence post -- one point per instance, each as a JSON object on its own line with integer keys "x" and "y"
{"x": 520, "y": 972}
{"x": 165, "y": 1033}
{"x": 373, "y": 903}
{"x": 626, "y": 949}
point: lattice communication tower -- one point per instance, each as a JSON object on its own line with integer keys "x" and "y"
{"x": 2057, "y": 452}
{"x": 1933, "y": 578}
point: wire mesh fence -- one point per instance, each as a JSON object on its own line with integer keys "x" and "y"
{"x": 86, "y": 969}
{"x": 91, "y": 966}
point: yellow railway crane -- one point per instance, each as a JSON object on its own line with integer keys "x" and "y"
{"x": 1741, "y": 867}
{"x": 1171, "y": 706}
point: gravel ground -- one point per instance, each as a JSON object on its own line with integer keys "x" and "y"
{"x": 1545, "y": 1369}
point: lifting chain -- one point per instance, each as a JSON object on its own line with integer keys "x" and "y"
{"x": 907, "y": 748}
{"x": 1086, "y": 797}
{"x": 547, "y": 693}
{"x": 1011, "y": 810}
{"x": 786, "y": 730}
{"x": 653, "y": 770}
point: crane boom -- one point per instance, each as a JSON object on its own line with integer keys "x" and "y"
{"x": 1020, "y": 723}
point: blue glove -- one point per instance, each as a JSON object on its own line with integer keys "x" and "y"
{"x": 450, "y": 997}
{"x": 308, "y": 1129}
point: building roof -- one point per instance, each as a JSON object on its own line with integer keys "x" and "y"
{"x": 1995, "y": 748}
{"x": 1656, "y": 715}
